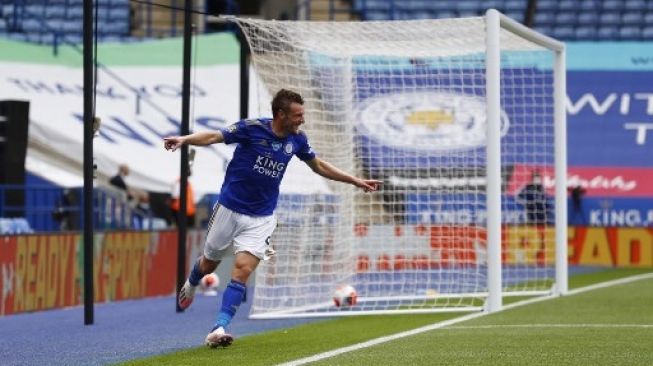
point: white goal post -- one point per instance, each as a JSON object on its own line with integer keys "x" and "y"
{"x": 464, "y": 121}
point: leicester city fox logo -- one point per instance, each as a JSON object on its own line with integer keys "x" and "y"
{"x": 276, "y": 146}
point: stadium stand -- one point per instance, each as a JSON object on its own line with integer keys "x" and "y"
{"x": 53, "y": 21}
{"x": 584, "y": 20}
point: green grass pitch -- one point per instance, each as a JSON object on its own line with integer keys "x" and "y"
{"x": 609, "y": 326}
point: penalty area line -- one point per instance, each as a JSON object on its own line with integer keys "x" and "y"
{"x": 446, "y": 323}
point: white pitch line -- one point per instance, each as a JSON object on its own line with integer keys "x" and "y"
{"x": 588, "y": 325}
{"x": 446, "y": 323}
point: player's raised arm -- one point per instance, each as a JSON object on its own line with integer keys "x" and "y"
{"x": 329, "y": 171}
{"x": 202, "y": 138}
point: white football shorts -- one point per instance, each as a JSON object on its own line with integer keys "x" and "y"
{"x": 246, "y": 233}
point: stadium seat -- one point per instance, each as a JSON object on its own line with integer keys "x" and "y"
{"x": 53, "y": 25}
{"x": 371, "y": 5}
{"x": 610, "y": 18}
{"x": 586, "y": 5}
{"x": 74, "y": 12}
{"x": 613, "y": 5}
{"x": 566, "y": 18}
{"x": 31, "y": 26}
{"x": 630, "y": 33}
{"x": 568, "y": 5}
{"x": 587, "y": 18}
{"x": 3, "y": 25}
{"x": 377, "y": 15}
{"x": 635, "y": 5}
{"x": 119, "y": 13}
{"x": 544, "y": 18}
{"x": 515, "y": 5}
{"x": 563, "y": 32}
{"x": 55, "y": 11}
{"x": 585, "y": 33}
{"x": 632, "y": 19}
{"x": 469, "y": 6}
{"x": 647, "y": 33}
{"x": 35, "y": 10}
{"x": 469, "y": 13}
{"x": 546, "y": 5}
{"x": 648, "y": 19}
{"x": 444, "y": 14}
{"x": 606, "y": 33}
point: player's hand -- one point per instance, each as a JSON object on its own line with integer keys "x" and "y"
{"x": 369, "y": 185}
{"x": 173, "y": 143}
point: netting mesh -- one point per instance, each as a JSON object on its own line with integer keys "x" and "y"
{"x": 404, "y": 102}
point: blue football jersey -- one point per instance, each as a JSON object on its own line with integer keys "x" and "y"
{"x": 251, "y": 183}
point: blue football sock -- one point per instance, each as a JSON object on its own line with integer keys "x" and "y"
{"x": 195, "y": 275}
{"x": 231, "y": 300}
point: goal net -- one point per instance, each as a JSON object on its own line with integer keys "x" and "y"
{"x": 463, "y": 135}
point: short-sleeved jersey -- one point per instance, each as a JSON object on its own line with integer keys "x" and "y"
{"x": 251, "y": 183}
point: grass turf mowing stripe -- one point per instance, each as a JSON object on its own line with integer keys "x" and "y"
{"x": 377, "y": 341}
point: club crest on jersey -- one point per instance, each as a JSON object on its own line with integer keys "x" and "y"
{"x": 276, "y": 146}
{"x": 288, "y": 148}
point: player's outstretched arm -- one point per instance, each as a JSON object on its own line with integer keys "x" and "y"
{"x": 202, "y": 138}
{"x": 329, "y": 171}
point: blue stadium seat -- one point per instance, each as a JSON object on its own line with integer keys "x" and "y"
{"x": 588, "y": 18}
{"x": 544, "y": 18}
{"x": 630, "y": 33}
{"x": 53, "y": 25}
{"x": 469, "y": 13}
{"x": 414, "y": 5}
{"x": 3, "y": 25}
{"x": 377, "y": 5}
{"x": 75, "y": 12}
{"x": 31, "y": 26}
{"x": 55, "y": 11}
{"x": 72, "y": 27}
{"x": 607, "y": 33}
{"x": 36, "y": 9}
{"x": 648, "y": 19}
{"x": 635, "y": 5}
{"x": 614, "y": 5}
{"x": 585, "y": 33}
{"x": 468, "y": 6}
{"x": 589, "y": 5}
{"x": 568, "y": 5}
{"x": 632, "y": 19}
{"x": 610, "y": 18}
{"x": 444, "y": 14}
{"x": 119, "y": 13}
{"x": 442, "y": 5}
{"x": 563, "y": 32}
{"x": 7, "y": 10}
{"x": 515, "y": 5}
{"x": 567, "y": 18}
{"x": 546, "y": 5}
{"x": 377, "y": 15}
{"x": 647, "y": 33}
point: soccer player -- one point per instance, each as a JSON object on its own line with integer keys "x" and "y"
{"x": 244, "y": 214}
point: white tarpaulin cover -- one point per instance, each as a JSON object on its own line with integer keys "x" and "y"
{"x": 139, "y": 102}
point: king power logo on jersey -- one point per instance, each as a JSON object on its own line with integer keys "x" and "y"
{"x": 268, "y": 166}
